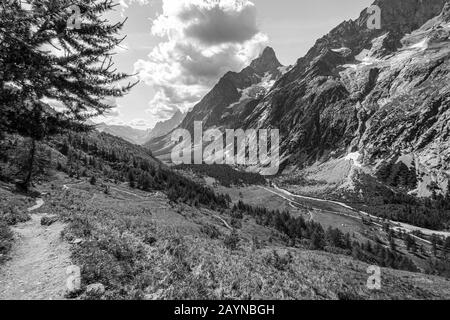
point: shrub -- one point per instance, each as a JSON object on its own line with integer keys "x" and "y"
{"x": 279, "y": 262}
{"x": 210, "y": 230}
{"x": 232, "y": 240}
{"x": 11, "y": 215}
{"x": 236, "y": 223}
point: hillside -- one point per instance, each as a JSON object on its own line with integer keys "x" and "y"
{"x": 129, "y": 239}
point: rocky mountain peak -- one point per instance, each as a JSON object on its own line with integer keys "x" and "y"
{"x": 266, "y": 62}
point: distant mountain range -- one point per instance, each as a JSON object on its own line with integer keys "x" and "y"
{"x": 127, "y": 133}
{"x": 359, "y": 96}
{"x": 139, "y": 136}
{"x": 164, "y": 127}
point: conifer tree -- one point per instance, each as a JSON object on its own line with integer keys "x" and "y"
{"x": 56, "y": 68}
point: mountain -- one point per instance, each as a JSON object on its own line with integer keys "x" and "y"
{"x": 138, "y": 136}
{"x": 233, "y": 96}
{"x": 373, "y": 95}
{"x": 359, "y": 96}
{"x": 130, "y": 134}
{"x": 231, "y": 100}
{"x": 164, "y": 127}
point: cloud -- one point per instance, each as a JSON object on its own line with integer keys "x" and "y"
{"x": 202, "y": 40}
{"x": 217, "y": 26}
{"x": 126, "y": 3}
{"x": 139, "y": 124}
{"x": 113, "y": 113}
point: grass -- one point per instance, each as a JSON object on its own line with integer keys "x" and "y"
{"x": 6, "y": 239}
{"x": 12, "y": 211}
{"x": 148, "y": 249}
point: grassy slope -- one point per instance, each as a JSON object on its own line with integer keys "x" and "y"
{"x": 141, "y": 247}
{"x": 12, "y": 211}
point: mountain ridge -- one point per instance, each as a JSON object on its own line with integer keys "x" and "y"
{"x": 337, "y": 99}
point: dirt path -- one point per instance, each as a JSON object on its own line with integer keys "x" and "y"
{"x": 36, "y": 270}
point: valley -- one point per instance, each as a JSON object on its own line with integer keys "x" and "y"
{"x": 335, "y": 214}
{"x": 130, "y": 241}
{"x": 360, "y": 153}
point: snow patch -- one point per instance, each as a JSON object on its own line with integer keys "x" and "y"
{"x": 354, "y": 156}
{"x": 422, "y": 45}
{"x": 343, "y": 50}
{"x": 408, "y": 160}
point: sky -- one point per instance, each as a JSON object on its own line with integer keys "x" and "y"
{"x": 179, "y": 49}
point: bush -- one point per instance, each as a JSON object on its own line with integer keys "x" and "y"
{"x": 232, "y": 240}
{"x": 236, "y": 223}
{"x": 211, "y": 231}
{"x": 11, "y": 215}
{"x": 279, "y": 262}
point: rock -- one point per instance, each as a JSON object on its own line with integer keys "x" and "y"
{"x": 77, "y": 241}
{"x": 155, "y": 296}
{"x": 73, "y": 282}
{"x": 96, "y": 289}
{"x": 48, "y": 220}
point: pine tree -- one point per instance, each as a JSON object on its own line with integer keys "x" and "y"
{"x": 410, "y": 243}
{"x": 131, "y": 179}
{"x": 78, "y": 78}
{"x": 434, "y": 243}
{"x": 446, "y": 248}
{"x": 317, "y": 240}
{"x": 392, "y": 243}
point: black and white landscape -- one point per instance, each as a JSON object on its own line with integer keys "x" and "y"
{"x": 126, "y": 168}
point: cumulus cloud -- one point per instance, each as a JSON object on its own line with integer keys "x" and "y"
{"x": 203, "y": 39}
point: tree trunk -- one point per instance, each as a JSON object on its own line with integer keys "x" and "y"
{"x": 27, "y": 181}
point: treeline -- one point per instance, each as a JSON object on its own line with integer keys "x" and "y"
{"x": 432, "y": 213}
{"x": 297, "y": 229}
{"x": 224, "y": 174}
{"x": 113, "y": 158}
{"x": 397, "y": 175}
